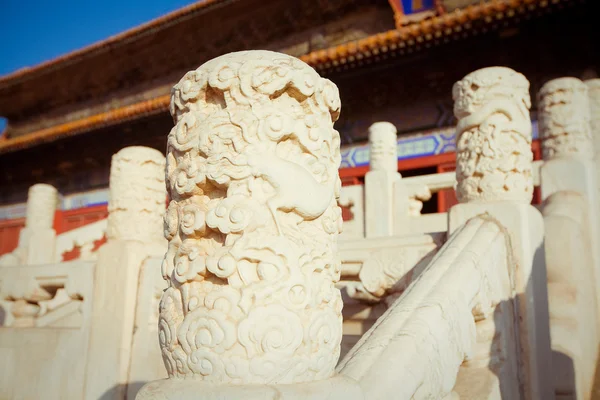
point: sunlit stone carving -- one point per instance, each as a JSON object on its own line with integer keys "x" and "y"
{"x": 564, "y": 117}
{"x": 42, "y": 200}
{"x": 38, "y": 239}
{"x": 593, "y": 86}
{"x": 493, "y": 159}
{"x": 382, "y": 147}
{"x": 137, "y": 196}
{"x": 252, "y": 173}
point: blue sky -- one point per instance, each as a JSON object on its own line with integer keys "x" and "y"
{"x": 33, "y": 31}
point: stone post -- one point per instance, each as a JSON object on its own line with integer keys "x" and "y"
{"x": 38, "y": 239}
{"x": 379, "y": 181}
{"x": 42, "y": 200}
{"x": 564, "y": 114}
{"x": 494, "y": 177}
{"x": 137, "y": 197}
{"x": 136, "y": 209}
{"x": 383, "y": 147}
{"x": 593, "y": 86}
{"x": 252, "y": 173}
{"x": 564, "y": 118}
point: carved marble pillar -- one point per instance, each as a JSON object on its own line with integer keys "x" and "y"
{"x": 37, "y": 241}
{"x": 564, "y": 118}
{"x": 493, "y": 150}
{"x": 379, "y": 181}
{"x": 252, "y": 173}
{"x": 494, "y": 177}
{"x": 593, "y": 86}
{"x": 137, "y": 205}
{"x": 42, "y": 200}
{"x": 569, "y": 165}
{"x": 137, "y": 199}
{"x": 382, "y": 147}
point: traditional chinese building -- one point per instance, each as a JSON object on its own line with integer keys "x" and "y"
{"x": 392, "y": 60}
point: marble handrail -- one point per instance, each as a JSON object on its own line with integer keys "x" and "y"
{"x": 430, "y": 330}
{"x": 446, "y": 180}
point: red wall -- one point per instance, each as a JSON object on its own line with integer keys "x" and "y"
{"x": 9, "y": 234}
{"x": 67, "y": 220}
{"x": 64, "y": 221}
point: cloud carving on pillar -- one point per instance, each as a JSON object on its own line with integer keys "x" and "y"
{"x": 564, "y": 114}
{"x": 493, "y": 159}
{"x": 252, "y": 173}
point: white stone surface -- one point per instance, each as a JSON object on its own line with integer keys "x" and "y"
{"x": 146, "y": 360}
{"x": 338, "y": 387}
{"x": 493, "y": 158}
{"x": 37, "y": 240}
{"x": 495, "y": 178}
{"x": 136, "y": 207}
{"x": 382, "y": 144}
{"x": 525, "y": 228}
{"x": 569, "y": 164}
{"x": 42, "y": 200}
{"x": 83, "y": 237}
{"x": 252, "y": 173}
{"x": 78, "y": 330}
{"x": 353, "y": 197}
{"x": 44, "y": 330}
{"x": 572, "y": 294}
{"x": 593, "y": 88}
{"x": 383, "y": 201}
{"x": 564, "y": 118}
{"x": 137, "y": 196}
{"x": 384, "y": 266}
{"x": 430, "y": 330}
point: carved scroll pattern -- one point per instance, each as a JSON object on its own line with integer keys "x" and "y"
{"x": 252, "y": 223}
{"x": 137, "y": 196}
{"x": 493, "y": 160}
{"x": 39, "y": 298}
{"x": 382, "y": 147}
{"x": 564, "y": 116}
{"x": 593, "y": 86}
{"x": 418, "y": 194}
{"x": 42, "y": 200}
{"x": 388, "y": 271}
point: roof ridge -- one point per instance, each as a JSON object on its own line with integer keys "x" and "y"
{"x": 350, "y": 52}
{"x": 105, "y": 44}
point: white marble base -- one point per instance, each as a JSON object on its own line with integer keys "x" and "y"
{"x": 338, "y": 387}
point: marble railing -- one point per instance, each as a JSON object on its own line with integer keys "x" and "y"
{"x": 87, "y": 329}
{"x": 45, "y": 328}
{"x": 574, "y": 328}
{"x": 447, "y": 306}
{"x": 83, "y": 238}
{"x": 354, "y": 199}
{"x": 432, "y": 328}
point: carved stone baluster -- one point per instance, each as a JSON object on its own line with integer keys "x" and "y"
{"x": 564, "y": 113}
{"x": 569, "y": 170}
{"x": 593, "y": 86}
{"x": 252, "y": 172}
{"x": 37, "y": 241}
{"x": 493, "y": 150}
{"x": 564, "y": 116}
{"x": 382, "y": 147}
{"x": 42, "y": 200}
{"x": 494, "y": 177}
{"x": 379, "y": 181}
{"x": 137, "y": 197}
{"x": 136, "y": 209}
